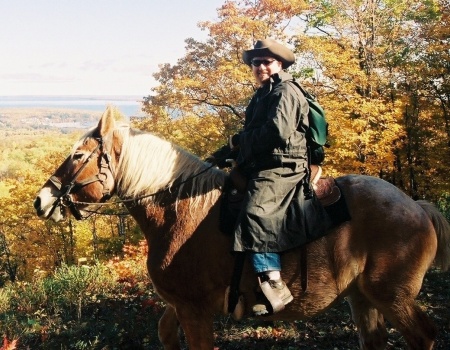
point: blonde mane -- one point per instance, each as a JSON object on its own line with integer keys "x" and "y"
{"x": 149, "y": 164}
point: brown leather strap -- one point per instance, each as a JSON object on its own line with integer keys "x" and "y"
{"x": 304, "y": 267}
{"x": 235, "y": 281}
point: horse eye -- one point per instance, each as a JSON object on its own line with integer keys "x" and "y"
{"x": 77, "y": 156}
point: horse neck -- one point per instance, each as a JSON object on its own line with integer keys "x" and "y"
{"x": 174, "y": 191}
{"x": 169, "y": 222}
{"x": 149, "y": 165}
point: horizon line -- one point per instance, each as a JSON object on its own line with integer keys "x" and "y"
{"x": 73, "y": 96}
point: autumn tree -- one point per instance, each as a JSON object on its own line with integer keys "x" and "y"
{"x": 8, "y": 262}
{"x": 364, "y": 91}
{"x": 17, "y": 223}
{"x": 366, "y": 60}
{"x": 432, "y": 67}
{"x": 200, "y": 100}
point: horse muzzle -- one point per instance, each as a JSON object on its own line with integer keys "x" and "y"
{"x": 48, "y": 206}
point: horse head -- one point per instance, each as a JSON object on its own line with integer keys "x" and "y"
{"x": 85, "y": 177}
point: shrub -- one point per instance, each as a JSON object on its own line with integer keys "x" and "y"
{"x": 131, "y": 270}
{"x": 443, "y": 205}
{"x": 4, "y": 299}
{"x": 79, "y": 285}
{"x": 83, "y": 306}
{"x": 19, "y": 303}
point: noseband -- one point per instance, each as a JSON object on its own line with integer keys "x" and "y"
{"x": 65, "y": 198}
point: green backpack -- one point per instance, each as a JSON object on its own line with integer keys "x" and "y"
{"x": 316, "y": 135}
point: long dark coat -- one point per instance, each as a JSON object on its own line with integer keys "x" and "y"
{"x": 273, "y": 156}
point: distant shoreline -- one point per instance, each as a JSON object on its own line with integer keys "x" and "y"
{"x": 71, "y": 97}
{"x": 128, "y": 105}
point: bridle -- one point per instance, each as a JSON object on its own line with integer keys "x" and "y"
{"x": 65, "y": 198}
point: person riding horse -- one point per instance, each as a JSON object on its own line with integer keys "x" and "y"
{"x": 273, "y": 157}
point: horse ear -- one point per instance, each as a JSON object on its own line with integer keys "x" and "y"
{"x": 107, "y": 122}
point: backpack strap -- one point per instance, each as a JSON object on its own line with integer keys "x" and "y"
{"x": 303, "y": 90}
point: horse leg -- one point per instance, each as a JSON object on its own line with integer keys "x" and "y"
{"x": 417, "y": 329}
{"x": 198, "y": 328}
{"x": 369, "y": 321}
{"x": 168, "y": 329}
{"x": 399, "y": 307}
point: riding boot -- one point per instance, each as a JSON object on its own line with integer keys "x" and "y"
{"x": 275, "y": 295}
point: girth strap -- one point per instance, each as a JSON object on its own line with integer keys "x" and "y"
{"x": 236, "y": 281}
{"x": 304, "y": 267}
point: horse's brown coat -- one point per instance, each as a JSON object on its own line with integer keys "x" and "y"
{"x": 377, "y": 260}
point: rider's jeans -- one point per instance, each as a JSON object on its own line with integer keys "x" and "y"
{"x": 263, "y": 262}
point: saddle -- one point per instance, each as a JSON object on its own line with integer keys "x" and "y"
{"x": 325, "y": 188}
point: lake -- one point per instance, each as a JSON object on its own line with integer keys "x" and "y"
{"x": 128, "y": 105}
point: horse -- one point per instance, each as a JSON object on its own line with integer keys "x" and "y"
{"x": 376, "y": 261}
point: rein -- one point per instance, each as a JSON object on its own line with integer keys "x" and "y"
{"x": 150, "y": 194}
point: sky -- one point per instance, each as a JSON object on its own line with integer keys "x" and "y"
{"x": 94, "y": 47}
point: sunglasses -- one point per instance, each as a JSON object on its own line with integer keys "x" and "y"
{"x": 257, "y": 63}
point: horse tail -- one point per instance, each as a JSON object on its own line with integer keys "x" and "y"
{"x": 442, "y": 228}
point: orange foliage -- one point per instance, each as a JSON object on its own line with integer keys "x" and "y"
{"x": 9, "y": 345}
{"x": 131, "y": 267}
{"x": 369, "y": 63}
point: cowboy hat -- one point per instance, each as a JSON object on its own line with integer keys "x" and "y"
{"x": 270, "y": 48}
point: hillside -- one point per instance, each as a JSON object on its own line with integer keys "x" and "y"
{"x": 31, "y": 134}
{"x": 19, "y": 120}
